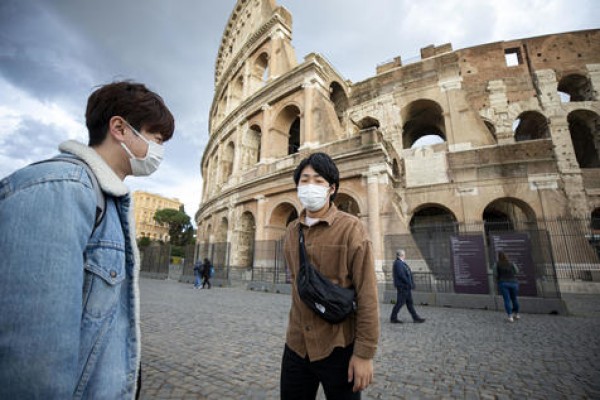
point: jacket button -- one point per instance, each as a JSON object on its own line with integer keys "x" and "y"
{"x": 113, "y": 273}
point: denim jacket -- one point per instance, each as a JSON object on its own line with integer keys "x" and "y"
{"x": 69, "y": 303}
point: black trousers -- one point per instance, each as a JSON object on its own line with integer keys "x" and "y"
{"x": 404, "y": 297}
{"x": 206, "y": 282}
{"x": 300, "y": 377}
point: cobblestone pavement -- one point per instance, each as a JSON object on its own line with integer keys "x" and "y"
{"x": 226, "y": 343}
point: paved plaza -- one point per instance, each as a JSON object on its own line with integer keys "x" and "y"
{"x": 226, "y": 343}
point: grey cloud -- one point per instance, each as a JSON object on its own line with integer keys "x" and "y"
{"x": 58, "y": 50}
{"x": 39, "y": 54}
{"x": 31, "y": 141}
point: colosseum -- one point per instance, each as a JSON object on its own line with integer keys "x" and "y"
{"x": 485, "y": 142}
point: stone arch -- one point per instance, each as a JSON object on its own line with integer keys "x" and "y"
{"x": 221, "y": 106}
{"x": 245, "y": 240}
{"x": 490, "y": 127}
{"x": 422, "y": 118}
{"x": 345, "y": 202}
{"x": 227, "y": 161}
{"x": 432, "y": 215}
{"x": 577, "y": 87}
{"x": 208, "y": 232}
{"x": 214, "y": 182}
{"x": 207, "y": 176}
{"x": 284, "y": 137}
{"x": 294, "y": 137}
{"x": 221, "y": 234}
{"x": 531, "y": 125}
{"x": 260, "y": 72}
{"x": 508, "y": 214}
{"x": 431, "y": 227}
{"x": 237, "y": 91}
{"x": 252, "y": 146}
{"x": 338, "y": 97}
{"x": 280, "y": 217}
{"x": 283, "y": 214}
{"x": 584, "y": 126}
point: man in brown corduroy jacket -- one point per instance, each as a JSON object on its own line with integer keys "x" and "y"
{"x": 338, "y": 356}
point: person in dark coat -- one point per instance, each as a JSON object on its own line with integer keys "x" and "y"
{"x": 206, "y": 273}
{"x": 404, "y": 283}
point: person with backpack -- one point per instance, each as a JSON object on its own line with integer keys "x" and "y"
{"x": 207, "y": 273}
{"x": 69, "y": 309}
{"x": 197, "y": 273}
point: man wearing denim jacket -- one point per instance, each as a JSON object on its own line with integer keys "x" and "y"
{"x": 69, "y": 303}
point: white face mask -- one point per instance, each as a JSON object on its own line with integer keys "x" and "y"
{"x": 150, "y": 163}
{"x": 313, "y": 197}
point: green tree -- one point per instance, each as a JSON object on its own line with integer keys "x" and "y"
{"x": 144, "y": 242}
{"x": 181, "y": 231}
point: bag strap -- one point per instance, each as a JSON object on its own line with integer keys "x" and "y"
{"x": 303, "y": 256}
{"x": 100, "y": 198}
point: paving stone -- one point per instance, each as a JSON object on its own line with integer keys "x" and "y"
{"x": 226, "y": 343}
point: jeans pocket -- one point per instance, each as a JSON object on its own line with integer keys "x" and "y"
{"x": 104, "y": 276}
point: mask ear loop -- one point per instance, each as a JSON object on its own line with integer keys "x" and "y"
{"x": 123, "y": 145}
{"x": 139, "y": 135}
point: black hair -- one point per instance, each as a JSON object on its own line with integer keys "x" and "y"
{"x": 324, "y": 166}
{"x": 140, "y": 107}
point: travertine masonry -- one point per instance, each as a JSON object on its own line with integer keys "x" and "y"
{"x": 459, "y": 136}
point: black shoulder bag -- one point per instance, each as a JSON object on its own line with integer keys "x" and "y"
{"x": 328, "y": 300}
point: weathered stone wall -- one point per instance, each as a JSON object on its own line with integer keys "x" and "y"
{"x": 505, "y": 138}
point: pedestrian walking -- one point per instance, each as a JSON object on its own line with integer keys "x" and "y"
{"x": 405, "y": 284}
{"x": 69, "y": 309}
{"x": 339, "y": 356}
{"x": 508, "y": 284}
{"x": 197, "y": 274}
{"x": 207, "y": 272}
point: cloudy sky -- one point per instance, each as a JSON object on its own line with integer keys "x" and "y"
{"x": 54, "y": 52}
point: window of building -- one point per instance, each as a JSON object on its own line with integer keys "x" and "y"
{"x": 513, "y": 57}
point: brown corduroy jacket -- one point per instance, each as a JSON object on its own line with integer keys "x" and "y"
{"x": 339, "y": 247}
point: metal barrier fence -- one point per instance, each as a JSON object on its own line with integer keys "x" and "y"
{"x": 576, "y": 248}
{"x": 190, "y": 257}
{"x": 560, "y": 249}
{"x": 269, "y": 263}
{"x": 155, "y": 260}
{"x": 428, "y": 282}
{"x": 430, "y": 255}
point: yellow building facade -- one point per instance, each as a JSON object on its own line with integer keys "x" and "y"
{"x": 145, "y": 206}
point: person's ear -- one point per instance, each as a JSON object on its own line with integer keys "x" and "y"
{"x": 116, "y": 128}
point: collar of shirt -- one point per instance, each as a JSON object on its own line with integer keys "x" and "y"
{"x": 327, "y": 218}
